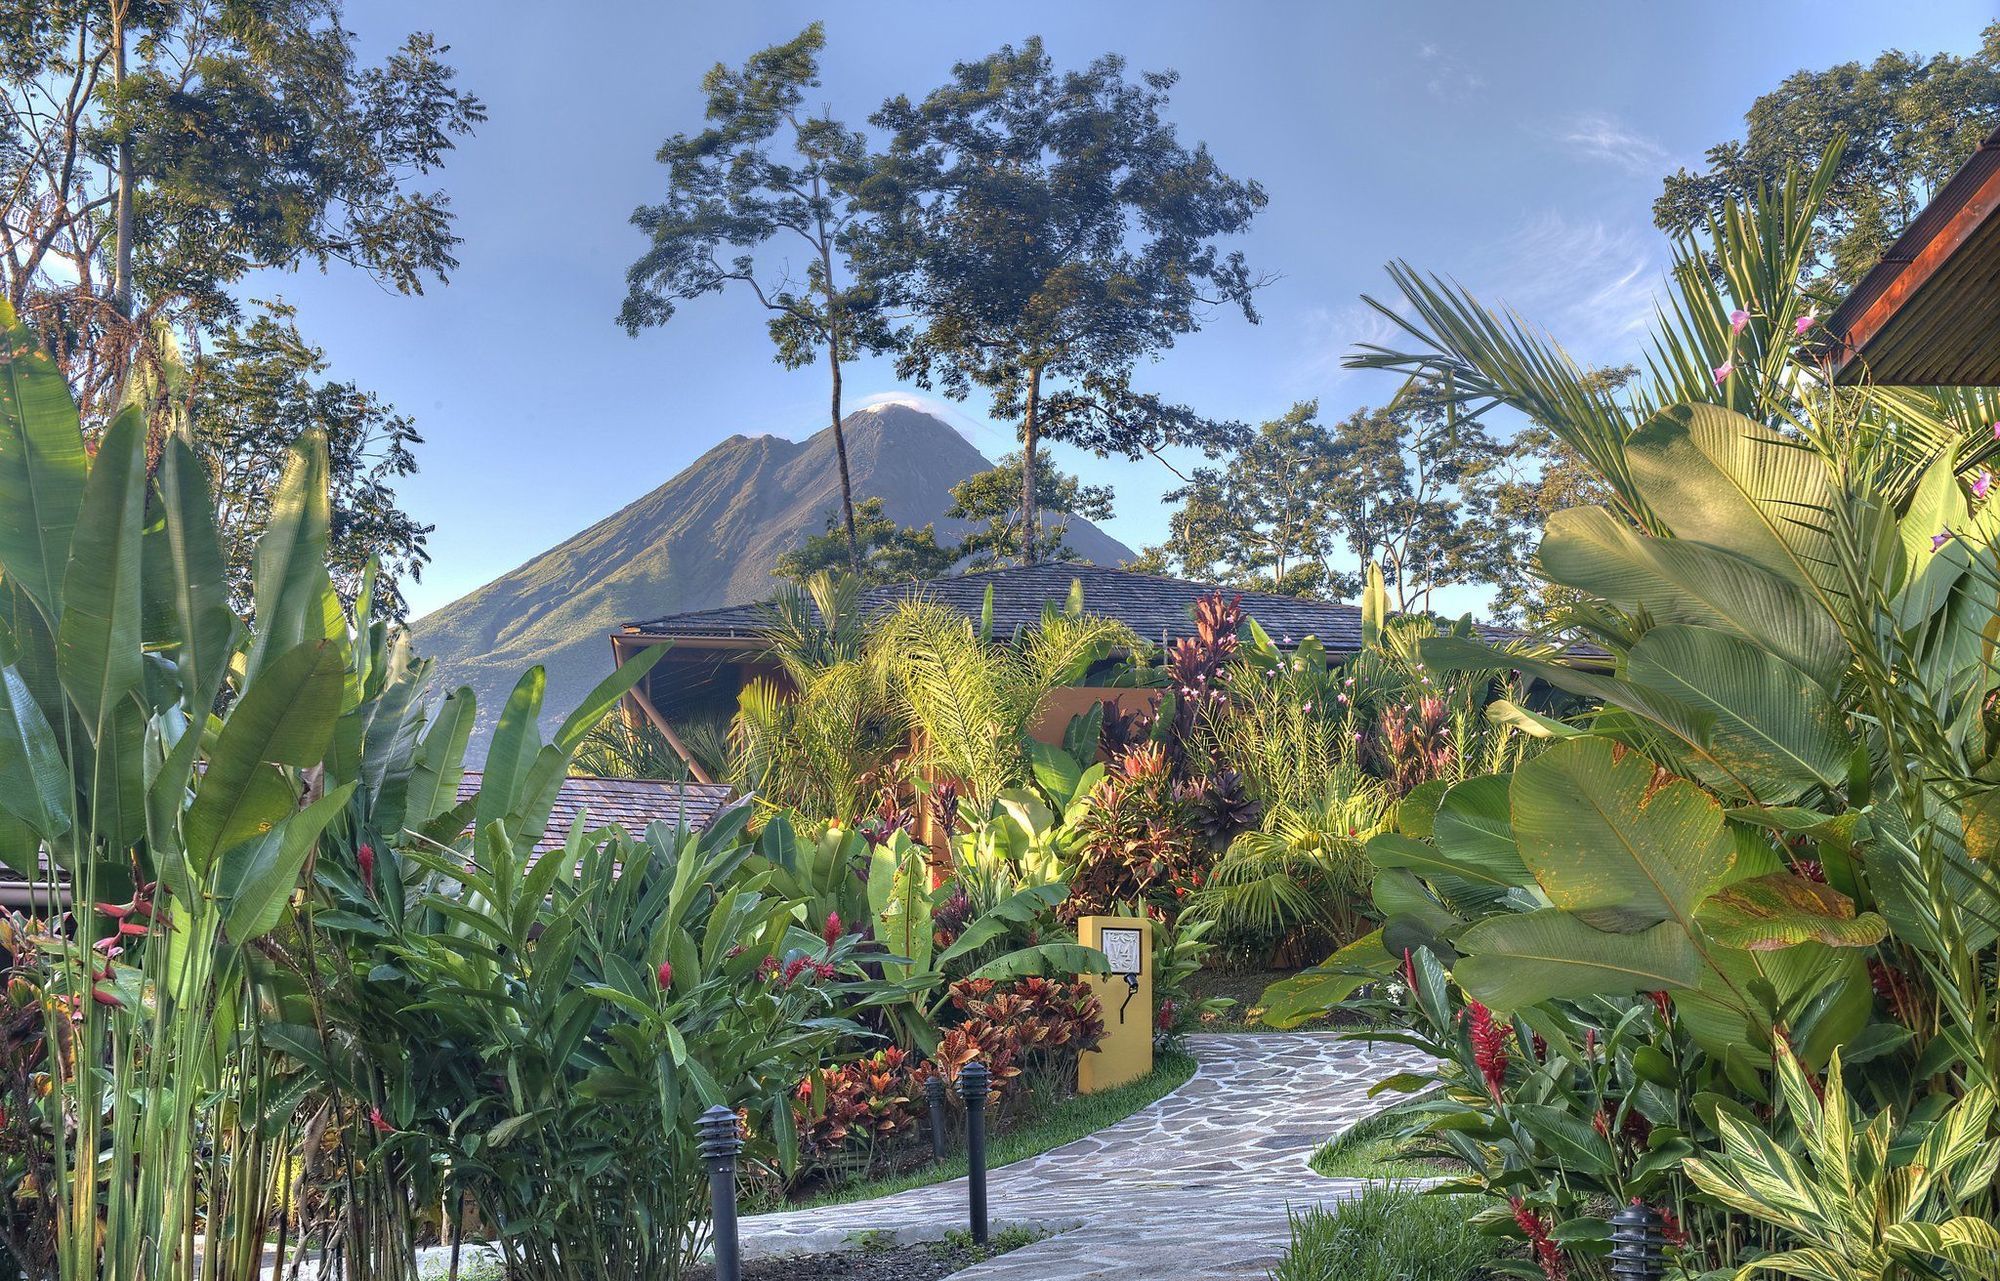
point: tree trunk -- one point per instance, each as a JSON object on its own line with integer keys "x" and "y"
{"x": 840, "y": 451}
{"x": 1030, "y": 437}
{"x": 121, "y": 279}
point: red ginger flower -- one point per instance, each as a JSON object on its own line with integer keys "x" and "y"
{"x": 833, "y": 929}
{"x": 1548, "y": 1255}
{"x": 381, "y": 1124}
{"x": 364, "y": 857}
{"x": 1489, "y": 1047}
{"x": 665, "y": 974}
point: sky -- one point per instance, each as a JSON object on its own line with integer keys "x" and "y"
{"x": 1516, "y": 147}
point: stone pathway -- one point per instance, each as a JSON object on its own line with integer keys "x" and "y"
{"x": 1194, "y": 1187}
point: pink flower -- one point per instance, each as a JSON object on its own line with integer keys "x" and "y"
{"x": 1737, "y": 320}
{"x": 1982, "y": 485}
{"x": 665, "y": 975}
{"x": 381, "y": 1124}
{"x": 364, "y": 857}
{"x": 1723, "y": 370}
{"x": 1940, "y": 538}
{"x": 1996, "y": 431}
{"x": 833, "y": 929}
{"x": 1804, "y": 323}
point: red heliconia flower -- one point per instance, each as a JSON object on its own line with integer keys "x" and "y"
{"x": 131, "y": 928}
{"x": 116, "y": 911}
{"x": 1489, "y": 1047}
{"x": 364, "y": 857}
{"x": 833, "y": 929}
{"x": 665, "y": 974}
{"x": 103, "y": 997}
{"x": 381, "y": 1124}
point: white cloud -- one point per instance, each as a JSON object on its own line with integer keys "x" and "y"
{"x": 1447, "y": 76}
{"x": 1328, "y": 335}
{"x": 1590, "y": 284}
{"x": 977, "y": 430}
{"x": 1603, "y": 138}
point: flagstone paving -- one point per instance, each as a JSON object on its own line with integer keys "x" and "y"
{"x": 1195, "y": 1187}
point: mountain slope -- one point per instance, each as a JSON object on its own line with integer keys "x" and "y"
{"x": 707, "y": 537}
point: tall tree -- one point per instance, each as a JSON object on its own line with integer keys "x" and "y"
{"x": 890, "y": 553}
{"x": 253, "y": 396}
{"x": 1261, "y": 520}
{"x": 1910, "y": 122}
{"x": 765, "y": 169}
{"x": 153, "y": 153}
{"x": 988, "y": 500}
{"x": 1412, "y": 488}
{"x": 1048, "y": 232}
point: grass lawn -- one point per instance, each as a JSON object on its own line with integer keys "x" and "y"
{"x": 1369, "y": 1149}
{"x": 1389, "y": 1234}
{"x": 1040, "y": 1124}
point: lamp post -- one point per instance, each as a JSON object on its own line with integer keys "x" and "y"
{"x": 1638, "y": 1244}
{"x": 973, "y": 1082}
{"x": 719, "y": 1145}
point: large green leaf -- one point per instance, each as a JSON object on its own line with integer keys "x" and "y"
{"x": 98, "y": 654}
{"x": 254, "y": 880}
{"x": 1677, "y": 580}
{"x": 1780, "y": 910}
{"x": 1610, "y": 839}
{"x": 290, "y": 570}
{"x": 597, "y": 704}
{"x": 1692, "y": 725}
{"x": 1311, "y": 993}
{"x": 1776, "y": 732}
{"x": 1474, "y": 824}
{"x": 34, "y": 781}
{"x": 1517, "y": 961}
{"x": 517, "y": 740}
{"x": 1715, "y": 476}
{"x": 42, "y": 467}
{"x": 193, "y": 579}
{"x": 441, "y": 759}
{"x": 285, "y": 717}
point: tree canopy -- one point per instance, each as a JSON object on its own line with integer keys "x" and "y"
{"x": 155, "y": 153}
{"x": 1910, "y": 122}
{"x": 1303, "y": 508}
{"x": 1047, "y": 231}
{"x": 254, "y": 397}
{"x": 766, "y": 169}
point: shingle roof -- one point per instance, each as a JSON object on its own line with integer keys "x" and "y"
{"x": 1153, "y": 605}
{"x": 631, "y": 803}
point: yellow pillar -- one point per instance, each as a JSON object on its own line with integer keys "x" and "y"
{"x": 1126, "y": 1053}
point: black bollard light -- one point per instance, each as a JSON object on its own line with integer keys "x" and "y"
{"x": 934, "y": 1092}
{"x": 973, "y": 1081}
{"x": 719, "y": 1143}
{"x": 1638, "y": 1244}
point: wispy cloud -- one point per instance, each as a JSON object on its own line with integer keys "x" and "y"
{"x": 1327, "y": 335}
{"x": 1446, "y": 75}
{"x": 1590, "y": 284}
{"x": 1607, "y": 140}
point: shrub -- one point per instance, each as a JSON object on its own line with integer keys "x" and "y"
{"x": 1388, "y": 1233}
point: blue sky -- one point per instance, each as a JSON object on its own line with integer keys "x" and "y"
{"x": 1517, "y": 147}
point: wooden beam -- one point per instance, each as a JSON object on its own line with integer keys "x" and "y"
{"x": 641, "y": 699}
